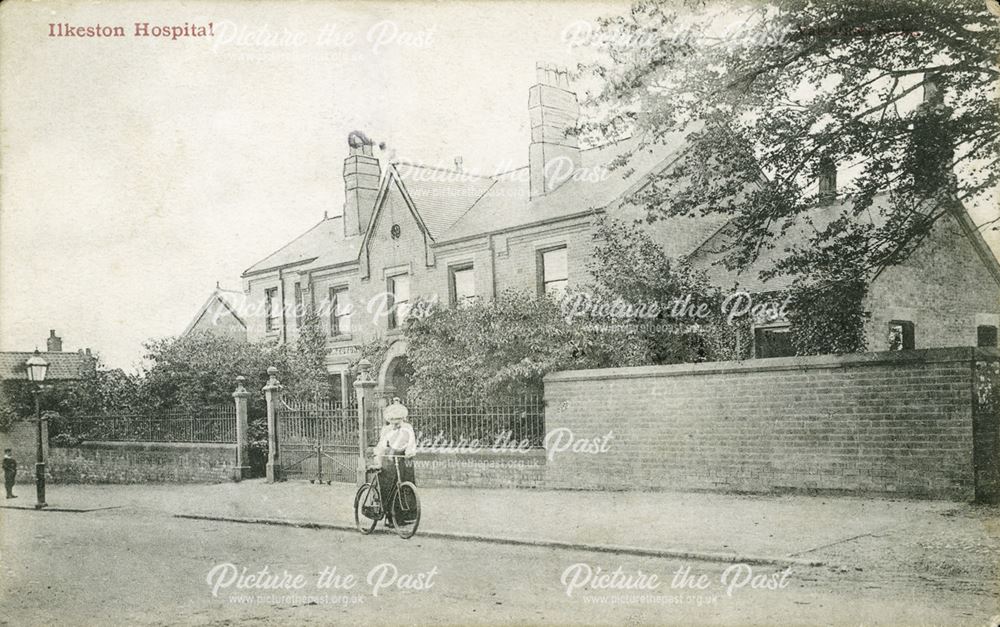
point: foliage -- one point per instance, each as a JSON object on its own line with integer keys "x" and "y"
{"x": 65, "y": 440}
{"x": 502, "y": 347}
{"x": 97, "y": 390}
{"x": 201, "y": 369}
{"x": 374, "y": 350}
{"x": 257, "y": 435}
{"x": 829, "y": 317}
{"x": 630, "y": 267}
{"x": 96, "y": 386}
{"x": 17, "y": 398}
{"x": 8, "y": 414}
{"x": 102, "y": 390}
{"x": 787, "y": 86}
{"x": 307, "y": 359}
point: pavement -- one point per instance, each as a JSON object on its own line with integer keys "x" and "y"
{"x": 953, "y": 541}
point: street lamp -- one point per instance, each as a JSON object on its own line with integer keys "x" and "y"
{"x": 37, "y": 368}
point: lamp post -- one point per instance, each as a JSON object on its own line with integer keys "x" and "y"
{"x": 37, "y": 368}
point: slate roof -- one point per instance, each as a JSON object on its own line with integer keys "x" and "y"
{"x": 508, "y": 205}
{"x": 62, "y": 366}
{"x": 806, "y": 225}
{"x": 323, "y": 244}
{"x": 441, "y": 196}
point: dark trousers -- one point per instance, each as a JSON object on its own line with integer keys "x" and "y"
{"x": 8, "y": 481}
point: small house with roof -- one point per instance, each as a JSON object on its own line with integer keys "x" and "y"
{"x": 223, "y": 314}
{"x": 410, "y": 231}
{"x": 63, "y": 365}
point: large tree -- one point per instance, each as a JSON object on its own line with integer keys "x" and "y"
{"x": 900, "y": 94}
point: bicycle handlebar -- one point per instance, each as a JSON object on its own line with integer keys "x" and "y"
{"x": 373, "y": 467}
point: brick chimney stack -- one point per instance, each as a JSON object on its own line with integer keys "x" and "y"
{"x": 933, "y": 96}
{"x": 361, "y": 180}
{"x": 827, "y": 180}
{"x": 54, "y": 343}
{"x": 934, "y": 141}
{"x": 554, "y": 152}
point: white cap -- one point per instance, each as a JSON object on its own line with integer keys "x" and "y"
{"x": 396, "y": 410}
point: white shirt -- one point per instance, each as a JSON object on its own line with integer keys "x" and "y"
{"x": 399, "y": 438}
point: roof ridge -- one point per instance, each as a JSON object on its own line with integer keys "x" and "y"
{"x": 610, "y": 143}
{"x": 275, "y": 252}
{"x": 591, "y": 148}
{"x": 506, "y": 172}
{"x": 31, "y": 352}
{"x": 439, "y": 169}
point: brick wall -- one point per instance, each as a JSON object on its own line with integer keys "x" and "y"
{"x": 22, "y": 438}
{"x": 468, "y": 470}
{"x": 482, "y": 470}
{"x": 141, "y": 462}
{"x": 878, "y": 423}
{"x": 517, "y": 253}
{"x": 944, "y": 288}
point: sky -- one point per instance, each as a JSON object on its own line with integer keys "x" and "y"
{"x": 136, "y": 172}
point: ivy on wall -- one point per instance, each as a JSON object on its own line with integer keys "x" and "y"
{"x": 829, "y": 317}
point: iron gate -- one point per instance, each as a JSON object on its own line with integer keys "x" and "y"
{"x": 318, "y": 439}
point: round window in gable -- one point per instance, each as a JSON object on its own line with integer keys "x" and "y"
{"x": 395, "y": 231}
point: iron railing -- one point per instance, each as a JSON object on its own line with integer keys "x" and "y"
{"x": 508, "y": 422}
{"x": 442, "y": 424}
{"x": 210, "y": 425}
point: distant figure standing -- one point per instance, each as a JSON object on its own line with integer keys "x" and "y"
{"x": 9, "y": 472}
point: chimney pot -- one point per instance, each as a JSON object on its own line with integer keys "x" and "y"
{"x": 458, "y": 164}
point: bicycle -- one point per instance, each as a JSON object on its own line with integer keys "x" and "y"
{"x": 368, "y": 509}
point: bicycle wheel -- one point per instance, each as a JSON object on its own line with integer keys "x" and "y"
{"x": 367, "y": 509}
{"x": 406, "y": 510}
